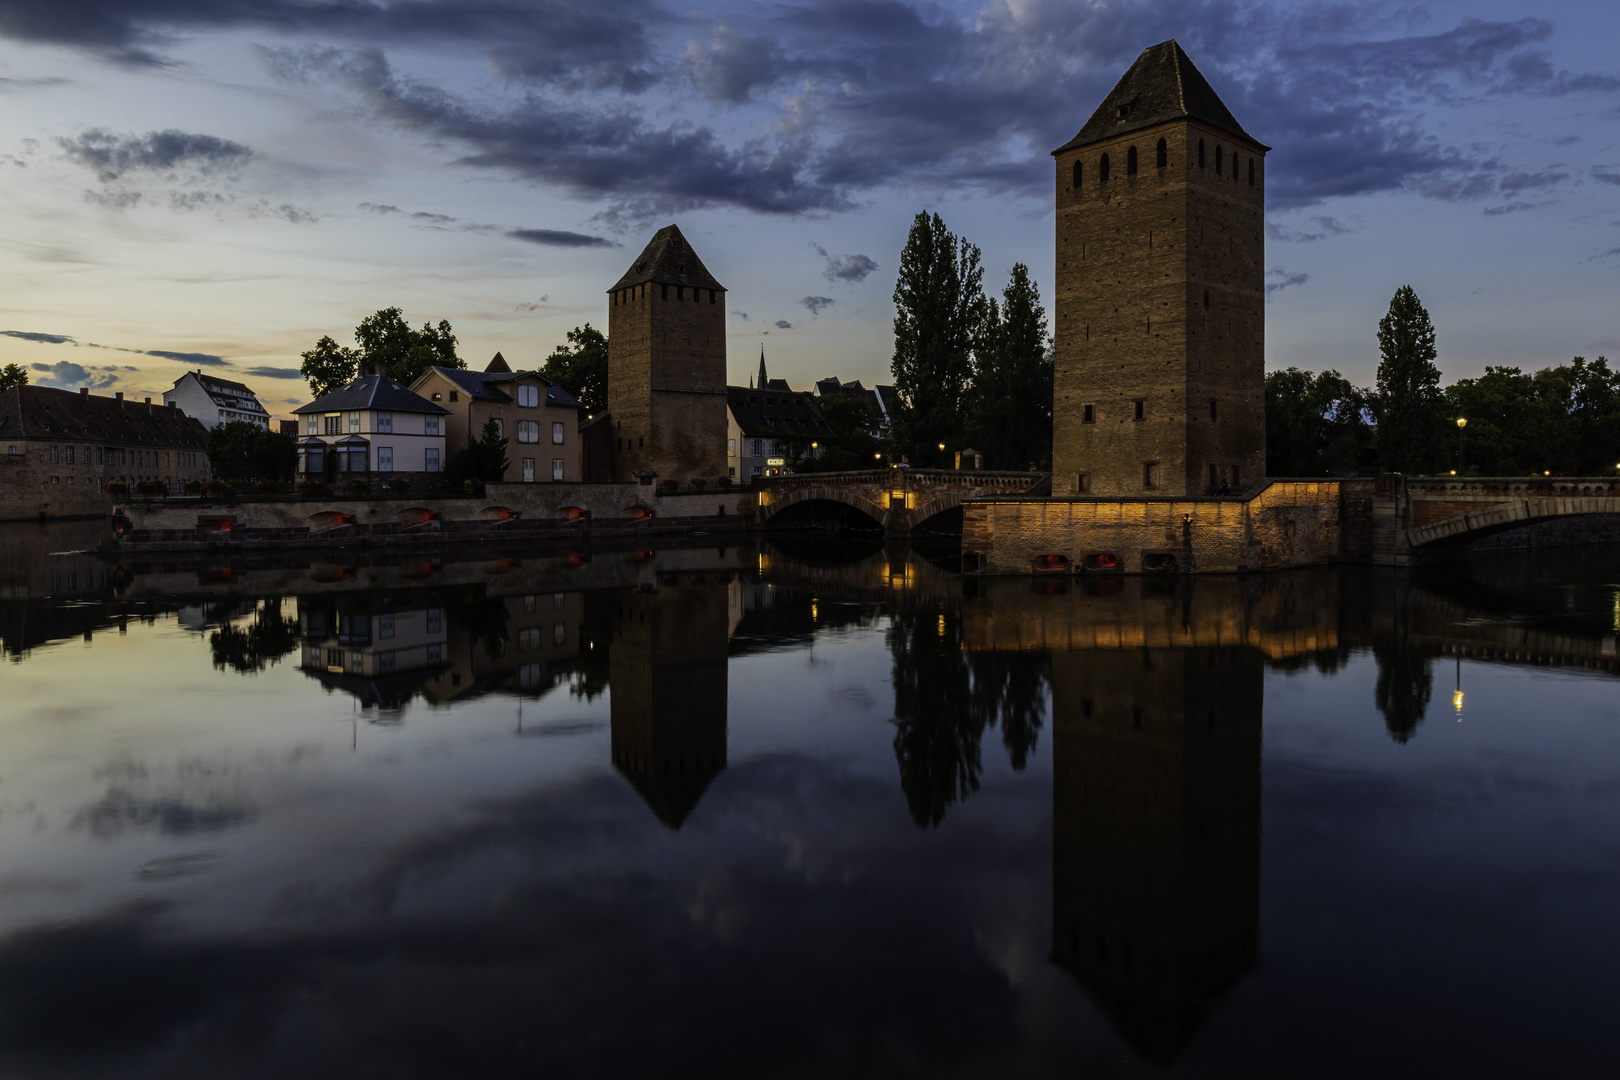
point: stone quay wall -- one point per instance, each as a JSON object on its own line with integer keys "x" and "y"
{"x": 1286, "y": 523}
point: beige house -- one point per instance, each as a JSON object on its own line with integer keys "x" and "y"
{"x": 373, "y": 426}
{"x": 539, "y": 419}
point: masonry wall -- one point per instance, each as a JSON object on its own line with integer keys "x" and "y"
{"x": 1160, "y": 297}
{"x": 1288, "y": 523}
{"x": 32, "y": 485}
{"x": 667, "y": 381}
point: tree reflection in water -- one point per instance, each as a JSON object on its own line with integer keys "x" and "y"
{"x": 945, "y": 698}
{"x": 266, "y": 640}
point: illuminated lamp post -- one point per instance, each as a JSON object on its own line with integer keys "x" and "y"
{"x": 1462, "y": 422}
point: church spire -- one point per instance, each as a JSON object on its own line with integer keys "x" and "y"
{"x": 762, "y": 379}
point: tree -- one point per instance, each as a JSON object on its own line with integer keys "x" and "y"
{"x": 13, "y": 375}
{"x": 242, "y": 450}
{"x": 581, "y": 367}
{"x": 939, "y": 305}
{"x": 329, "y": 366}
{"x": 1010, "y": 404}
{"x": 850, "y": 443}
{"x": 1408, "y": 404}
{"x": 1316, "y": 425}
{"x": 384, "y": 338}
{"x": 1517, "y": 423}
{"x": 482, "y": 459}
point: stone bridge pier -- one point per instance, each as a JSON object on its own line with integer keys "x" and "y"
{"x": 899, "y": 500}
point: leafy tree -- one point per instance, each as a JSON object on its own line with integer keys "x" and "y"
{"x": 1517, "y": 423}
{"x": 1408, "y": 404}
{"x": 270, "y": 637}
{"x": 385, "y": 338}
{"x": 1316, "y": 425}
{"x": 850, "y": 444}
{"x": 581, "y": 367}
{"x": 13, "y": 375}
{"x": 939, "y": 306}
{"x": 1010, "y": 406}
{"x": 1595, "y": 409}
{"x": 241, "y": 450}
{"x": 483, "y": 458}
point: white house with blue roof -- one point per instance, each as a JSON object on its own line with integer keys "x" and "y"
{"x": 372, "y": 427}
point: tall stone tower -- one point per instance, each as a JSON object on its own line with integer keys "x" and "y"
{"x": 1160, "y": 335}
{"x": 667, "y": 365}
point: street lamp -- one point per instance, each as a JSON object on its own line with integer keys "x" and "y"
{"x": 1462, "y": 422}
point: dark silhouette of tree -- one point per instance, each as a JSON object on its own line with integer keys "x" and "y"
{"x": 1405, "y": 684}
{"x": 265, "y": 641}
{"x": 243, "y": 450}
{"x": 1316, "y": 425}
{"x": 1010, "y": 404}
{"x": 13, "y": 375}
{"x": 385, "y": 338}
{"x": 939, "y": 305}
{"x": 581, "y": 367}
{"x": 483, "y": 458}
{"x": 1408, "y": 403}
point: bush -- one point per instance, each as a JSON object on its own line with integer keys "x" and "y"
{"x": 222, "y": 489}
{"x": 314, "y": 488}
{"x": 355, "y": 487}
{"x": 401, "y": 484}
{"x": 472, "y": 487}
{"x": 119, "y": 490}
{"x": 194, "y": 487}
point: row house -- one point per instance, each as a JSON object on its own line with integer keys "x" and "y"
{"x": 61, "y": 451}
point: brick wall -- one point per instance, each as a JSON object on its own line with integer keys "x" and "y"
{"x": 1160, "y": 297}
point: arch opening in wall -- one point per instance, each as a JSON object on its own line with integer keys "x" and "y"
{"x": 1162, "y": 562}
{"x": 418, "y": 515}
{"x": 1078, "y": 172}
{"x": 1130, "y": 161}
{"x": 330, "y": 519}
{"x": 500, "y": 513}
{"x": 574, "y": 513}
{"x": 639, "y": 512}
{"x": 1049, "y": 564}
{"x": 1102, "y": 170}
{"x": 826, "y": 515}
{"x": 1162, "y": 155}
{"x": 1102, "y": 562}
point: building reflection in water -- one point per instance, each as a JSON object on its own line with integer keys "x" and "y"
{"x": 1158, "y": 690}
{"x": 668, "y": 675}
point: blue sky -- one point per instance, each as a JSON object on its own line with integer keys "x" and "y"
{"x": 217, "y": 183}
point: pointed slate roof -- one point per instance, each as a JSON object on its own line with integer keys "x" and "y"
{"x": 499, "y": 364}
{"x": 669, "y": 258}
{"x": 1162, "y": 85}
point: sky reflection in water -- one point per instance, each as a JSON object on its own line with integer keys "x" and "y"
{"x": 708, "y": 812}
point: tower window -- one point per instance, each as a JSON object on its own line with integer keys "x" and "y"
{"x": 1150, "y": 474}
{"x": 1082, "y": 483}
{"x": 1219, "y": 168}
{"x": 1251, "y": 172}
{"x": 680, "y": 292}
{"x": 1212, "y": 409}
{"x": 1200, "y": 153}
{"x": 1077, "y": 172}
{"x": 1213, "y": 482}
{"x": 1206, "y": 299}
{"x": 1088, "y": 413}
{"x": 663, "y": 291}
{"x": 1234, "y": 165}
{"x": 1102, "y": 170}
{"x": 1164, "y": 154}
{"x": 711, "y": 296}
{"x": 1141, "y": 409}
{"x": 1130, "y": 162}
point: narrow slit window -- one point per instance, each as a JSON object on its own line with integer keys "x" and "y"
{"x": 1088, "y": 413}
{"x": 1163, "y": 155}
{"x": 1212, "y": 415}
{"x": 1251, "y": 172}
{"x": 1078, "y": 171}
{"x": 1200, "y": 153}
{"x": 1130, "y": 161}
{"x": 1219, "y": 167}
{"x": 1141, "y": 409}
{"x": 1102, "y": 170}
{"x": 1082, "y": 483}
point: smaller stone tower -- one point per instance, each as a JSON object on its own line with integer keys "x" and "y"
{"x": 667, "y": 365}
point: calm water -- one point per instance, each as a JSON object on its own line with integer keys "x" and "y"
{"x": 716, "y": 812}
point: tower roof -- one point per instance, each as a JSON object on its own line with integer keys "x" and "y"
{"x": 669, "y": 258}
{"x": 1162, "y": 85}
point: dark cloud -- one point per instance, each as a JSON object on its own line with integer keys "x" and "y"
{"x": 48, "y": 339}
{"x": 111, "y": 155}
{"x": 264, "y": 372}
{"x": 783, "y": 324}
{"x": 1321, "y": 228}
{"x": 845, "y": 267}
{"x": 1603, "y": 175}
{"x": 1522, "y": 181}
{"x": 817, "y": 304}
{"x": 743, "y": 315}
{"x": 559, "y": 238}
{"x": 205, "y": 359}
{"x": 68, "y": 376}
{"x": 1511, "y": 208}
{"x": 1281, "y": 279}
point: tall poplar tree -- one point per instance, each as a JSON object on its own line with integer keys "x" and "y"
{"x": 1010, "y": 405}
{"x": 1408, "y": 403}
{"x": 939, "y": 305}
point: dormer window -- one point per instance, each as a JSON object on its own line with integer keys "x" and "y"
{"x": 1125, "y": 110}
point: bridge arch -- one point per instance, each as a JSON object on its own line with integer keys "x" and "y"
{"x": 1475, "y": 524}
{"x": 857, "y": 498}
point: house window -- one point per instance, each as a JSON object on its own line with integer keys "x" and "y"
{"x": 758, "y": 449}
{"x": 53, "y": 455}
{"x": 385, "y": 459}
{"x": 1141, "y": 409}
{"x": 70, "y": 455}
{"x": 435, "y": 620}
{"x": 1088, "y": 413}
{"x": 431, "y": 425}
{"x": 334, "y": 423}
{"x": 528, "y": 397}
{"x": 385, "y": 626}
{"x": 454, "y": 396}
{"x": 556, "y": 468}
{"x": 312, "y": 424}
{"x": 13, "y": 448}
{"x": 385, "y": 422}
{"x": 556, "y": 432}
{"x": 528, "y": 431}
{"x": 731, "y": 448}
{"x": 528, "y": 470}
{"x": 1150, "y": 474}
{"x": 354, "y": 423}
{"x": 559, "y": 633}
{"x": 430, "y": 459}
{"x": 98, "y": 456}
{"x": 529, "y": 638}
{"x": 500, "y": 427}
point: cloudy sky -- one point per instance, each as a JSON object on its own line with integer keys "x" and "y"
{"x": 217, "y": 183}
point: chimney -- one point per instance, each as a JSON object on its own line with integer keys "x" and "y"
{"x": 84, "y": 391}
{"x": 119, "y": 396}
{"x": 149, "y": 401}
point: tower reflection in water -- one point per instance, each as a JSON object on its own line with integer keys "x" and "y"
{"x": 668, "y": 676}
{"x": 1158, "y": 690}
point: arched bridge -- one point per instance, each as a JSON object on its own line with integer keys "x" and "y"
{"x": 1436, "y": 518}
{"x": 897, "y": 499}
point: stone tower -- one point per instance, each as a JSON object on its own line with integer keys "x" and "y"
{"x": 1160, "y": 310}
{"x": 667, "y": 365}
